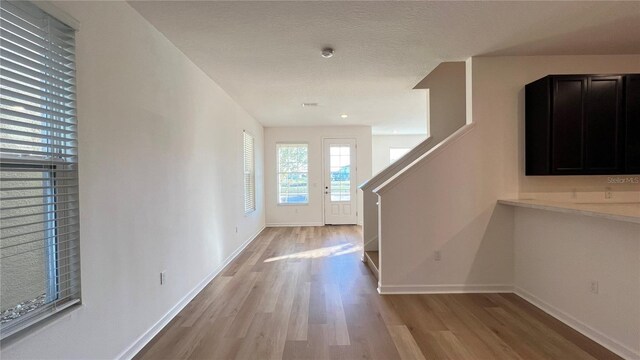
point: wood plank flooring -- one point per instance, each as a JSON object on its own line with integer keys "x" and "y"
{"x": 303, "y": 293}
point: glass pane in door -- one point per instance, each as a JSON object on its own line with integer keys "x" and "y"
{"x": 340, "y": 164}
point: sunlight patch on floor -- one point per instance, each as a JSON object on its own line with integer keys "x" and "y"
{"x": 329, "y": 251}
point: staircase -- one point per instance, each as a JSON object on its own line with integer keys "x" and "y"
{"x": 446, "y": 99}
{"x": 372, "y": 198}
{"x": 370, "y": 201}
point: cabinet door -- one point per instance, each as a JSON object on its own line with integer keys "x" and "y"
{"x": 632, "y": 153}
{"x": 537, "y": 127}
{"x": 567, "y": 129}
{"x": 604, "y": 142}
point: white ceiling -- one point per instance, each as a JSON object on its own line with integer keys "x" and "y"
{"x": 266, "y": 55}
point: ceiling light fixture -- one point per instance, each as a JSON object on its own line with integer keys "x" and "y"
{"x": 327, "y": 52}
{"x": 344, "y": 116}
{"x": 309, "y": 104}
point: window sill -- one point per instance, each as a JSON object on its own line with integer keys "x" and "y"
{"x": 39, "y": 325}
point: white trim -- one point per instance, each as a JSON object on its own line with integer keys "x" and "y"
{"x": 140, "y": 343}
{"x": 427, "y": 99}
{"x": 277, "y": 173}
{"x": 371, "y": 265}
{"x": 586, "y": 330}
{"x": 58, "y": 14}
{"x": 445, "y": 289}
{"x": 468, "y": 67}
{"x": 294, "y": 224}
{"x": 40, "y": 326}
{"x": 354, "y": 176}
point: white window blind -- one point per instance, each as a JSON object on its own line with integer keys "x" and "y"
{"x": 39, "y": 234}
{"x": 249, "y": 173}
{"x": 293, "y": 173}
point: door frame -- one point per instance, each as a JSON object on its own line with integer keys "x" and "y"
{"x": 354, "y": 174}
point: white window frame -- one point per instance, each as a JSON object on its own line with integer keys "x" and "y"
{"x": 57, "y": 161}
{"x": 249, "y": 173}
{"x": 278, "y": 173}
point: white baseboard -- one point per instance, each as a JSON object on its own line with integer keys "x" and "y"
{"x": 593, "y": 334}
{"x": 137, "y": 345}
{"x": 295, "y": 224}
{"x": 444, "y": 289}
{"x": 584, "y": 329}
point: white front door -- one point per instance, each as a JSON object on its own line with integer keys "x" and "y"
{"x": 340, "y": 202}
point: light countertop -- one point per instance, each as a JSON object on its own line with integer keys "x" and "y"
{"x": 628, "y": 212}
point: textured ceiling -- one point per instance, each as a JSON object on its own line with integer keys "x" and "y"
{"x": 266, "y": 55}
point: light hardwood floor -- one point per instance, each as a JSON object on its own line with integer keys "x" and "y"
{"x": 303, "y": 293}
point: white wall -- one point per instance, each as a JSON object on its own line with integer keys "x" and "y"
{"x": 447, "y": 105}
{"x": 448, "y": 202}
{"x": 558, "y": 255}
{"x": 500, "y": 85}
{"x": 446, "y": 99}
{"x": 160, "y": 183}
{"x": 312, "y": 213}
{"x": 382, "y": 143}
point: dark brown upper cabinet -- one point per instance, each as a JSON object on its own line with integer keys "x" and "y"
{"x": 582, "y": 125}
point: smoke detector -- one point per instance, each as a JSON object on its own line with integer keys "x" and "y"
{"x": 327, "y": 53}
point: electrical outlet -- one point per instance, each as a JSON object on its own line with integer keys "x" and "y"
{"x": 437, "y": 256}
{"x": 163, "y": 277}
{"x": 608, "y": 194}
{"x": 594, "y": 286}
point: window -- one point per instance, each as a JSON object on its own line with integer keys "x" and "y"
{"x": 39, "y": 243}
{"x": 249, "y": 174}
{"x": 340, "y": 163}
{"x": 397, "y": 153}
{"x": 293, "y": 174}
